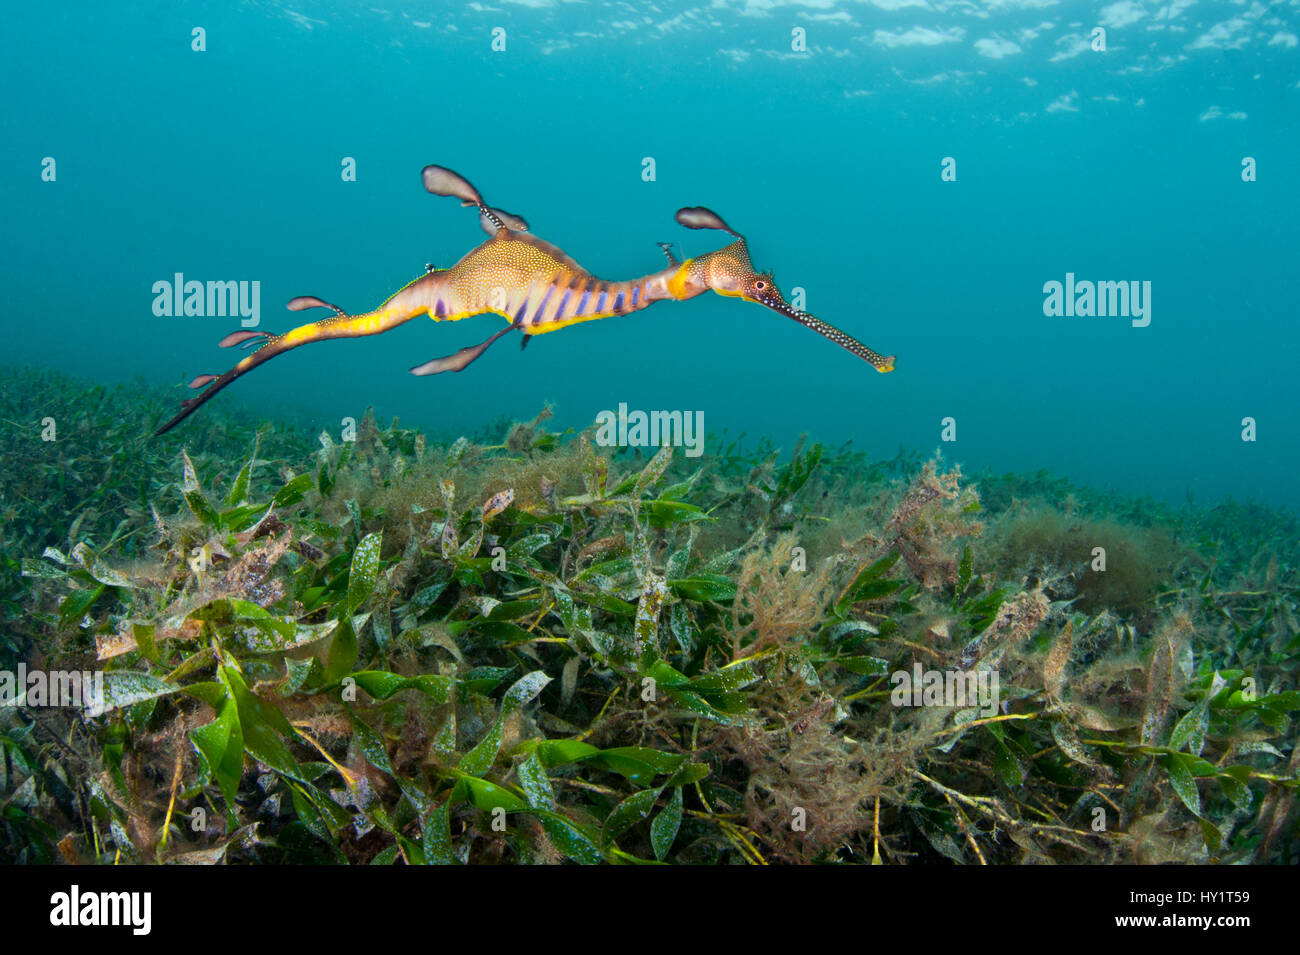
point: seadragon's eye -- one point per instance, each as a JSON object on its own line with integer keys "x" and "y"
{"x": 760, "y": 286}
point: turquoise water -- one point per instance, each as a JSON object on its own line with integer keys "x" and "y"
{"x": 1122, "y": 165}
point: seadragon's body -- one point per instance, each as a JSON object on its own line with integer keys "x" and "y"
{"x": 529, "y": 282}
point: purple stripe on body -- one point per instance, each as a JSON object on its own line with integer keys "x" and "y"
{"x": 537, "y": 315}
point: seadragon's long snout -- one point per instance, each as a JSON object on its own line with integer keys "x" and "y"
{"x": 776, "y": 303}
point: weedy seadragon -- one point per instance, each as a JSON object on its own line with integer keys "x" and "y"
{"x": 532, "y": 284}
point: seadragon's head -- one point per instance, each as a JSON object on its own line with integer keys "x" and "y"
{"x": 729, "y": 271}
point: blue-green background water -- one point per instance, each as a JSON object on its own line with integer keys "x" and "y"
{"x": 1126, "y": 164}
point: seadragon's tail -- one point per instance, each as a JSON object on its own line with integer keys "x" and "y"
{"x": 341, "y": 326}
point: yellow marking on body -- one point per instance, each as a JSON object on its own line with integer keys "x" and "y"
{"x": 677, "y": 284}
{"x": 565, "y": 323}
{"x": 470, "y": 313}
{"x": 375, "y": 321}
{"x": 299, "y": 335}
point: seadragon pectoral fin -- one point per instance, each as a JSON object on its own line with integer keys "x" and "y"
{"x": 459, "y": 360}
